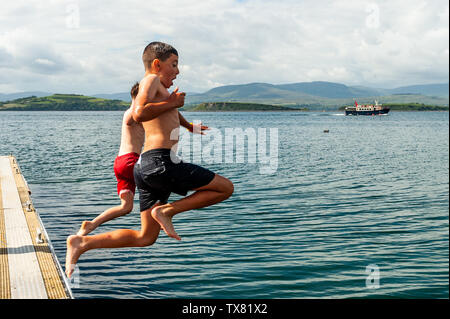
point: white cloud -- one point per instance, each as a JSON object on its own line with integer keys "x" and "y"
{"x": 86, "y": 47}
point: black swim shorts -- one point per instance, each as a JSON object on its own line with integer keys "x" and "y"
{"x": 157, "y": 175}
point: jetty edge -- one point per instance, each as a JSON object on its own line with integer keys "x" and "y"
{"x": 29, "y": 268}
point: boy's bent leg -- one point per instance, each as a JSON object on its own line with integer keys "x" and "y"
{"x": 125, "y": 207}
{"x": 77, "y": 245}
{"x": 219, "y": 189}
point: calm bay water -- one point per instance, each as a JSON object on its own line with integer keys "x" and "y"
{"x": 372, "y": 191}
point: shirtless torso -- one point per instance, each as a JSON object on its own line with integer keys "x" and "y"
{"x": 133, "y": 134}
{"x": 159, "y": 127}
{"x": 159, "y": 130}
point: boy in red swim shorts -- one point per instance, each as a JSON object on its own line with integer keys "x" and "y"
{"x": 131, "y": 143}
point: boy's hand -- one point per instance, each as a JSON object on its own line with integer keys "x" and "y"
{"x": 198, "y": 128}
{"x": 177, "y": 99}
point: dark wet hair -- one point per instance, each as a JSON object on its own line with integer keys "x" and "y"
{"x": 134, "y": 90}
{"x": 157, "y": 50}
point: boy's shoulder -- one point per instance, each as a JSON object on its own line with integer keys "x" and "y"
{"x": 150, "y": 78}
{"x": 128, "y": 112}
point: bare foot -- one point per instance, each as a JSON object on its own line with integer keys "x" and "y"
{"x": 86, "y": 228}
{"x": 74, "y": 251}
{"x": 165, "y": 221}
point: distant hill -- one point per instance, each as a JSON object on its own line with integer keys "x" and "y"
{"x": 316, "y": 95}
{"x": 324, "y": 89}
{"x": 125, "y": 96}
{"x": 320, "y": 95}
{"x": 63, "y": 102}
{"x": 234, "y": 107}
{"x": 430, "y": 89}
{"x": 13, "y": 96}
{"x": 303, "y": 93}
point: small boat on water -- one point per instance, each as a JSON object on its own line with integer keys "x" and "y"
{"x": 369, "y": 109}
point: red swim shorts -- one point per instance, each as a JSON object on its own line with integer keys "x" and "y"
{"x": 123, "y": 168}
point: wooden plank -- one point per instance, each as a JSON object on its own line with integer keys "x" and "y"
{"x": 25, "y": 277}
{"x": 49, "y": 265}
{"x": 5, "y": 292}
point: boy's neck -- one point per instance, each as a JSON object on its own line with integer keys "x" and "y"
{"x": 148, "y": 72}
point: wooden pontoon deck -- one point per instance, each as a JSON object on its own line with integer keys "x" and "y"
{"x": 29, "y": 268}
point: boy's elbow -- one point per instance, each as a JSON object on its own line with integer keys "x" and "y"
{"x": 137, "y": 115}
{"x": 143, "y": 114}
{"x": 141, "y": 117}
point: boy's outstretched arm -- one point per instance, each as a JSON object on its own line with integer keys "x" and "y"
{"x": 184, "y": 122}
{"x": 145, "y": 111}
{"x": 197, "y": 128}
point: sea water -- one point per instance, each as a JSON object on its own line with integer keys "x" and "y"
{"x": 359, "y": 212}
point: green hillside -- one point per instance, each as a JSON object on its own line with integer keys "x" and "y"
{"x": 320, "y": 95}
{"x": 63, "y": 102}
{"x": 73, "y": 102}
{"x": 231, "y": 106}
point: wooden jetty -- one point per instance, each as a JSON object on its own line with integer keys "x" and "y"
{"x": 29, "y": 268}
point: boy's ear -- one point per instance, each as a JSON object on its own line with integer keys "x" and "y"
{"x": 156, "y": 65}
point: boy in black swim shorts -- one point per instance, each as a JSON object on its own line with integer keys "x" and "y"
{"x": 156, "y": 175}
{"x": 159, "y": 172}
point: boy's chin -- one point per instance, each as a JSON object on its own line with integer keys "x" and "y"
{"x": 168, "y": 85}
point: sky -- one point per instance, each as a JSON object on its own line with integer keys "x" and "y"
{"x": 95, "y": 47}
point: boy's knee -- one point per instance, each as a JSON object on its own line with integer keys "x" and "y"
{"x": 127, "y": 199}
{"x": 228, "y": 188}
{"x": 127, "y": 207}
{"x": 146, "y": 240}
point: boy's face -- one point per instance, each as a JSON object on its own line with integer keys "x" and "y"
{"x": 168, "y": 71}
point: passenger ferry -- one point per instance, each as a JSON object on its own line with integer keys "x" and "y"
{"x": 369, "y": 109}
